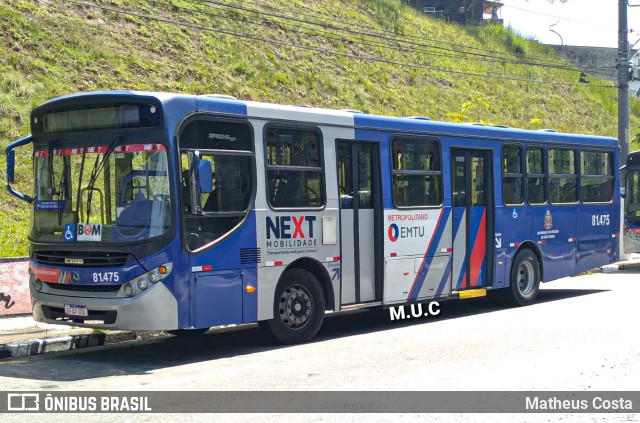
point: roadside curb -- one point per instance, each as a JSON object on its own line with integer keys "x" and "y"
{"x": 628, "y": 265}
{"x": 62, "y": 343}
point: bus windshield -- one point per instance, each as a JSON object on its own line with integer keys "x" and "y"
{"x": 632, "y": 200}
{"x": 101, "y": 193}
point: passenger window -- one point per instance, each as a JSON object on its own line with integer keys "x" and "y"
{"x": 295, "y": 175}
{"x": 563, "y": 180}
{"x": 417, "y": 172}
{"x": 596, "y": 176}
{"x": 536, "y": 191}
{"x": 512, "y": 175}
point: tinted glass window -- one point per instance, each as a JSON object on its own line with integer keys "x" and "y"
{"x": 227, "y": 146}
{"x": 596, "y": 176}
{"x": 295, "y": 177}
{"x": 417, "y": 172}
{"x": 563, "y": 187}
{"x": 536, "y": 191}
{"x": 512, "y": 177}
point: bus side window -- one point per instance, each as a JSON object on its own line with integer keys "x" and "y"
{"x": 536, "y": 193}
{"x": 596, "y": 176}
{"x": 417, "y": 172}
{"x": 228, "y": 146}
{"x": 512, "y": 175}
{"x": 295, "y": 169}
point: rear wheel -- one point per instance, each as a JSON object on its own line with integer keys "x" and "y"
{"x": 298, "y": 309}
{"x": 525, "y": 280}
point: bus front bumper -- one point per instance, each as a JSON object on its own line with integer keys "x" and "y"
{"x": 154, "y": 309}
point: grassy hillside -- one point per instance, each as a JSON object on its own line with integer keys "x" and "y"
{"x": 377, "y": 56}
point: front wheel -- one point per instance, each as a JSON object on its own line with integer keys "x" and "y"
{"x": 298, "y": 308}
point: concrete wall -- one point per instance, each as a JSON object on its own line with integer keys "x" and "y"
{"x": 598, "y": 57}
{"x": 14, "y": 287}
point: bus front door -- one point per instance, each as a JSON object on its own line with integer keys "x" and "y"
{"x": 360, "y": 209}
{"x": 472, "y": 200}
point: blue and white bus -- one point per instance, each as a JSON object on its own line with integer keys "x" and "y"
{"x": 157, "y": 211}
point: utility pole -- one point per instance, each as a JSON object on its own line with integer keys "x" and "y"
{"x": 623, "y": 82}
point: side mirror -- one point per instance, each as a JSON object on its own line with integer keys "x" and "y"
{"x": 205, "y": 176}
{"x": 11, "y": 163}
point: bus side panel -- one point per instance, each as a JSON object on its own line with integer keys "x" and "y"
{"x": 220, "y": 276}
{"x": 409, "y": 277}
{"x": 554, "y": 229}
{"x": 513, "y": 228}
{"x": 596, "y": 228}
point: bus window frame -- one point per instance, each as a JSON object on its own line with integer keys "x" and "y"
{"x": 178, "y": 166}
{"x": 611, "y": 177}
{"x": 267, "y": 167}
{"x": 522, "y": 174}
{"x": 426, "y": 137}
{"x": 544, "y": 175}
{"x": 576, "y": 175}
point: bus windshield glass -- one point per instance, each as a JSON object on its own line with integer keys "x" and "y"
{"x": 103, "y": 193}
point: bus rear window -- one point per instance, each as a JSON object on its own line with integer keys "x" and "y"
{"x": 103, "y": 116}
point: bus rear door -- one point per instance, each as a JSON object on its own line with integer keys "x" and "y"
{"x": 472, "y": 200}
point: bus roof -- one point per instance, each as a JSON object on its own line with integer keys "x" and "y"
{"x": 174, "y": 102}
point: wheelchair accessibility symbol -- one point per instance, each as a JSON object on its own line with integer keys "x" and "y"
{"x": 69, "y": 233}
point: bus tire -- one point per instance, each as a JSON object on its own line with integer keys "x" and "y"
{"x": 524, "y": 281}
{"x": 298, "y": 308}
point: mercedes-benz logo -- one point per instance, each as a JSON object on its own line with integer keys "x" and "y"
{"x": 74, "y": 278}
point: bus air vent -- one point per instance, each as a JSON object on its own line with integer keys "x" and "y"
{"x": 419, "y": 117}
{"x": 249, "y": 255}
{"x": 83, "y": 258}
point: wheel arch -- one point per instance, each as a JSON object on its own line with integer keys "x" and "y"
{"x": 320, "y": 272}
{"x": 530, "y": 245}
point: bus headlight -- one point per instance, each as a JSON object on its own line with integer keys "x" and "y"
{"x": 143, "y": 284}
{"x": 154, "y": 276}
{"x": 37, "y": 285}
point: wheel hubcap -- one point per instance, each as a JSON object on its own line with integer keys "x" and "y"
{"x": 526, "y": 277}
{"x": 295, "y": 307}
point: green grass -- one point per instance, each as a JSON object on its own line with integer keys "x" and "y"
{"x": 53, "y": 47}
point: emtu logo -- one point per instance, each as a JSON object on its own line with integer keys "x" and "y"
{"x": 393, "y": 232}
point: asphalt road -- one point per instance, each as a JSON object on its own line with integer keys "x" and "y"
{"x": 580, "y": 335}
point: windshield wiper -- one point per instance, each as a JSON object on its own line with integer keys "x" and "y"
{"x": 97, "y": 168}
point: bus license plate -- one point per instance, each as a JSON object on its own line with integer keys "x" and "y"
{"x": 75, "y": 310}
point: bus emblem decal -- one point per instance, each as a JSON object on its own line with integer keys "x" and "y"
{"x": 548, "y": 221}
